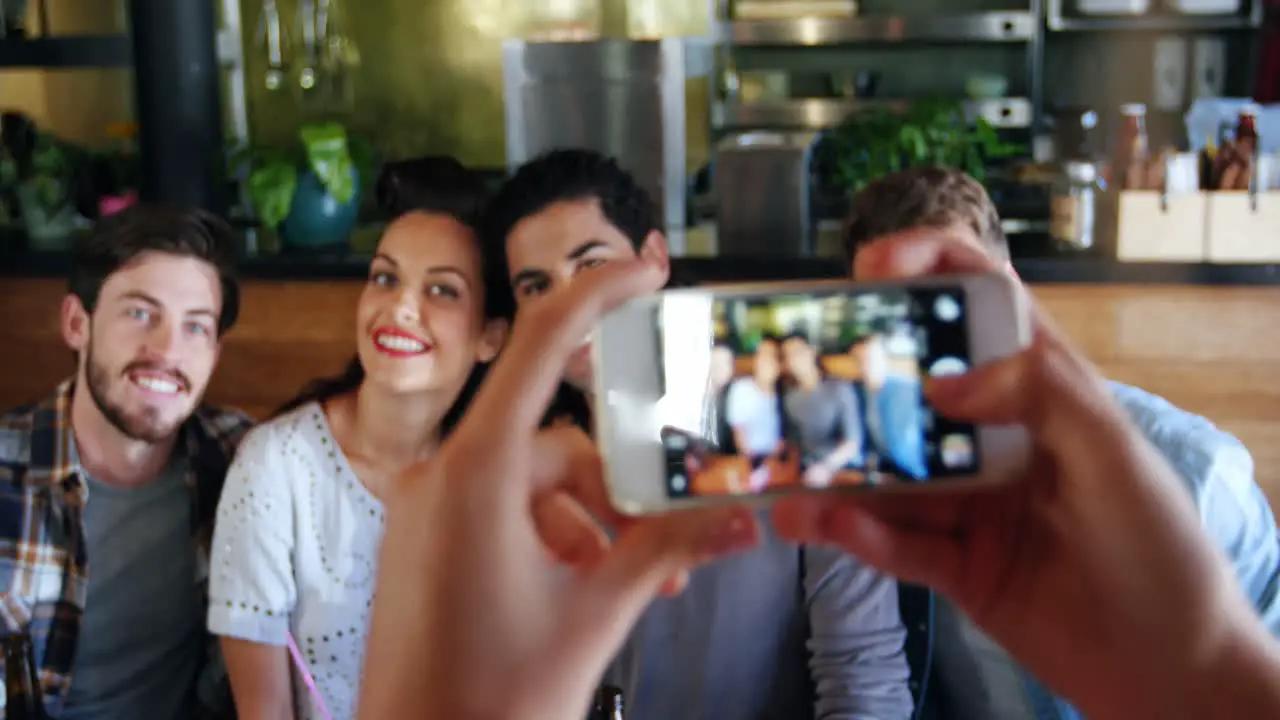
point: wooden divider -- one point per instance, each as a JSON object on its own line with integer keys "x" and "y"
{"x": 1210, "y": 350}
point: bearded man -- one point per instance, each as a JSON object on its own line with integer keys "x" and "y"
{"x": 108, "y": 486}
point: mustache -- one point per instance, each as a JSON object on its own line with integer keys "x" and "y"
{"x": 173, "y": 373}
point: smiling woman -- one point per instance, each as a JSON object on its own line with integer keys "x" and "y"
{"x": 422, "y": 337}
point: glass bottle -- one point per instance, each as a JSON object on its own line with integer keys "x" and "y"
{"x": 1247, "y": 129}
{"x": 1129, "y": 163}
{"x": 608, "y": 703}
{"x": 22, "y": 687}
{"x": 1073, "y": 206}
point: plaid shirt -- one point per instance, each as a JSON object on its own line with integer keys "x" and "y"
{"x": 43, "y": 570}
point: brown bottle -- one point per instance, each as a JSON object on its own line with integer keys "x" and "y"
{"x": 1129, "y": 166}
{"x": 607, "y": 704}
{"x": 22, "y": 687}
{"x": 1247, "y": 129}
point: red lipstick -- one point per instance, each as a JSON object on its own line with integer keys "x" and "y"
{"x": 397, "y": 343}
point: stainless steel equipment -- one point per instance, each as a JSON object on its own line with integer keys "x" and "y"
{"x": 620, "y": 97}
{"x": 764, "y": 198}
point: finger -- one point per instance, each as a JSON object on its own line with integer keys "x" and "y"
{"x": 921, "y": 251}
{"x": 520, "y": 385}
{"x": 655, "y": 550}
{"x": 1050, "y": 388}
{"x": 568, "y": 531}
{"x": 799, "y": 518}
{"x": 566, "y": 461}
{"x": 908, "y": 551}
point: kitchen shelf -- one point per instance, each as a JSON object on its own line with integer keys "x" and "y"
{"x": 68, "y": 51}
{"x": 823, "y": 113}
{"x": 1058, "y": 21}
{"x": 817, "y": 31}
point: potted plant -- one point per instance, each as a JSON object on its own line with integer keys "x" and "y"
{"x": 108, "y": 179}
{"x": 37, "y": 173}
{"x": 309, "y": 194}
{"x": 878, "y": 140}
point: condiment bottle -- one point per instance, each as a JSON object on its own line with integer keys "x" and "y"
{"x": 1129, "y": 164}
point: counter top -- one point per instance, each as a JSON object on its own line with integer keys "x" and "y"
{"x": 1055, "y": 269}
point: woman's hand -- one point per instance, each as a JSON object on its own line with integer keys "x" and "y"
{"x": 499, "y": 596}
{"x": 1092, "y": 568}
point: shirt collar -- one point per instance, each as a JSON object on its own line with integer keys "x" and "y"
{"x": 53, "y": 443}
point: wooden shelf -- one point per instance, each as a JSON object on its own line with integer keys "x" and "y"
{"x": 70, "y": 51}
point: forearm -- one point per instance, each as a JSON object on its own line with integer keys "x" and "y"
{"x": 406, "y": 667}
{"x": 261, "y": 681}
{"x": 406, "y": 675}
{"x": 1240, "y": 680}
{"x": 841, "y": 456}
{"x": 1243, "y": 682}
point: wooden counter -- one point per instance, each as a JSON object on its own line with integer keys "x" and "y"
{"x": 1210, "y": 350}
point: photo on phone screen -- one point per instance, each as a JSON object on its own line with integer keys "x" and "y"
{"x": 816, "y": 390}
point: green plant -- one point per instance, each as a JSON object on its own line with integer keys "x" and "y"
{"x": 323, "y": 149}
{"x": 879, "y": 140}
{"x": 43, "y": 170}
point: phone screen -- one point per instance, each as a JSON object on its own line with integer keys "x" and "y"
{"x": 817, "y": 389}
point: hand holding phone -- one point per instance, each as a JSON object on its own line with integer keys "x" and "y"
{"x": 753, "y": 391}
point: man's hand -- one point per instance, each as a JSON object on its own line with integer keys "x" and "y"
{"x": 819, "y": 476}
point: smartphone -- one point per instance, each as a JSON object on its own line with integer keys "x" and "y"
{"x": 751, "y": 391}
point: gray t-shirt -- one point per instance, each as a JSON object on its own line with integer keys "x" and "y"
{"x": 142, "y": 636}
{"x": 824, "y": 417}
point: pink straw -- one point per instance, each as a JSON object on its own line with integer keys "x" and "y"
{"x": 307, "y": 679}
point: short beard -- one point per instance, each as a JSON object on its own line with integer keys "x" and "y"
{"x": 145, "y": 428}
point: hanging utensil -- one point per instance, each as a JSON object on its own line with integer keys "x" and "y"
{"x": 271, "y": 35}
{"x": 322, "y": 22}
{"x": 338, "y": 54}
{"x": 307, "y": 29}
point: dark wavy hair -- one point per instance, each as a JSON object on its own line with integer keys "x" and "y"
{"x": 438, "y": 185}
{"x": 567, "y": 174}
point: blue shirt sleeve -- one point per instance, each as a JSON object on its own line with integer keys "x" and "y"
{"x": 1217, "y": 470}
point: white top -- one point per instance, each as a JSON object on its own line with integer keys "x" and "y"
{"x": 295, "y": 550}
{"x": 756, "y": 413}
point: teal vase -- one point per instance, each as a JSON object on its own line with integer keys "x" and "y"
{"x": 316, "y": 221}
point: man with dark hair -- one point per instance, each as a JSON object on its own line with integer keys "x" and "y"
{"x": 565, "y": 212}
{"x": 824, "y": 414}
{"x": 780, "y": 632}
{"x": 108, "y": 486}
{"x": 979, "y": 678}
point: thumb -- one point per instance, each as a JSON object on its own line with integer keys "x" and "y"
{"x": 920, "y": 551}
{"x": 653, "y": 550}
{"x": 1049, "y": 388}
{"x": 990, "y": 394}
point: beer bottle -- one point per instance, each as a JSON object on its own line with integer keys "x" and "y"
{"x": 22, "y": 687}
{"x": 608, "y": 703}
